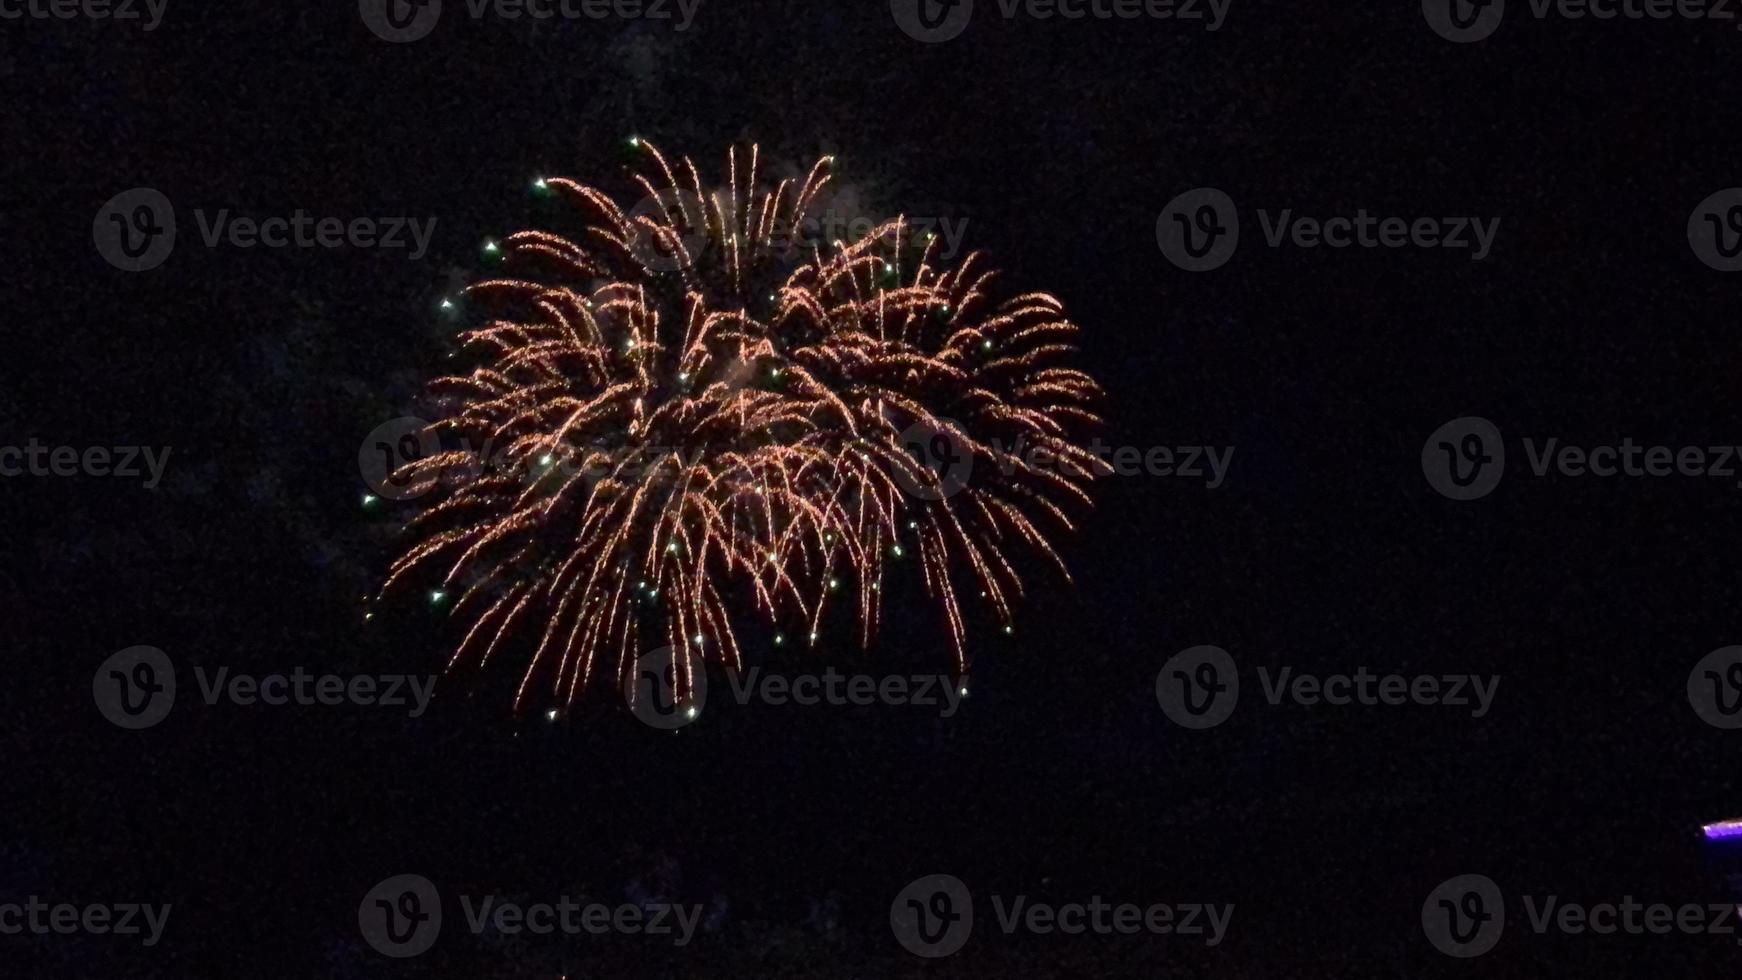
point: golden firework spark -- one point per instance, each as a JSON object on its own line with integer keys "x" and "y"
{"x": 691, "y": 410}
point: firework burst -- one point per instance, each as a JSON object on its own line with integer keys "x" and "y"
{"x": 691, "y": 412}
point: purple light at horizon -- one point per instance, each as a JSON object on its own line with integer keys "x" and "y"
{"x": 1723, "y": 829}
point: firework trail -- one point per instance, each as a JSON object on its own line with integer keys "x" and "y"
{"x": 690, "y": 410}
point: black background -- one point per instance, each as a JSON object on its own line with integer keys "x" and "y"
{"x": 1059, "y": 142}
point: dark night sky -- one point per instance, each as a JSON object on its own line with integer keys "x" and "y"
{"x": 1058, "y": 143}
